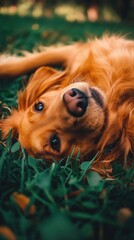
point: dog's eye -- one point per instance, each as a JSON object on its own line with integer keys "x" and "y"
{"x": 55, "y": 143}
{"x": 39, "y": 106}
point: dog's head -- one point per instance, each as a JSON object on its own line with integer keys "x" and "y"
{"x": 54, "y": 119}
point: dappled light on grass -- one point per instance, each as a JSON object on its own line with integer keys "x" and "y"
{"x": 69, "y": 11}
{"x": 24, "y": 9}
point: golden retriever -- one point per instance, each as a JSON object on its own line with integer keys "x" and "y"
{"x": 85, "y": 108}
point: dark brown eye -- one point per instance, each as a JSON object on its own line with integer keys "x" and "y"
{"x": 55, "y": 143}
{"x": 39, "y": 106}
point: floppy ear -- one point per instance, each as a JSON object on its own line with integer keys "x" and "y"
{"x": 122, "y": 148}
{"x": 44, "y": 79}
{"x": 11, "y": 122}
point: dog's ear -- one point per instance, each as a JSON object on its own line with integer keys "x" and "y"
{"x": 42, "y": 73}
{"x": 117, "y": 143}
{"x": 11, "y": 122}
{"x": 44, "y": 79}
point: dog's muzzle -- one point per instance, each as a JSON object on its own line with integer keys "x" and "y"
{"x": 76, "y": 102}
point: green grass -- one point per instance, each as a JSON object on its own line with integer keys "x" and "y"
{"x": 70, "y": 201}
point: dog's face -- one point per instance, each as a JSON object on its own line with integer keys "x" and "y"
{"x": 53, "y": 122}
{"x": 62, "y": 121}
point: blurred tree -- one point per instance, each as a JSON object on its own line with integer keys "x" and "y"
{"x": 123, "y": 8}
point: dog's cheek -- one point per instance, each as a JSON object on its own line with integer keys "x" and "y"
{"x": 95, "y": 117}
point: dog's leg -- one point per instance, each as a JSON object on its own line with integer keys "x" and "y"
{"x": 13, "y": 66}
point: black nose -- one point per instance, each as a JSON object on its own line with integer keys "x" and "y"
{"x": 76, "y": 102}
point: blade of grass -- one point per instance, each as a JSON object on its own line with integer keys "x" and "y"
{"x": 88, "y": 167}
{"x": 22, "y": 170}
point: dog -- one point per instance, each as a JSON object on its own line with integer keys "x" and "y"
{"x": 85, "y": 109}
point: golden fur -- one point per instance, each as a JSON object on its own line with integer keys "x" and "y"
{"x": 102, "y": 69}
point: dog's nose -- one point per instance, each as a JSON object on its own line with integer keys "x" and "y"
{"x": 76, "y": 102}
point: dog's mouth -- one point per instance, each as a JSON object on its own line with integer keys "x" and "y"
{"x": 97, "y": 96}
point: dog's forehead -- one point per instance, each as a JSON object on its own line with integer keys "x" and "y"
{"x": 50, "y": 94}
{"x": 53, "y": 96}
{"x": 79, "y": 84}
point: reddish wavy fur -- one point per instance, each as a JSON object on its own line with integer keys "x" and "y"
{"x": 103, "y": 70}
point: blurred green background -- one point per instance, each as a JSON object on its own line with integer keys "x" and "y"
{"x": 28, "y": 24}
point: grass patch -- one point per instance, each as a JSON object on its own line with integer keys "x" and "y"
{"x": 62, "y": 200}
{"x": 39, "y": 201}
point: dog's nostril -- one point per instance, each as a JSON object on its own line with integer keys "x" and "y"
{"x": 81, "y": 104}
{"x": 73, "y": 93}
